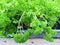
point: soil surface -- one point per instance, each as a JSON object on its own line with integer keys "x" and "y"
{"x": 5, "y": 41}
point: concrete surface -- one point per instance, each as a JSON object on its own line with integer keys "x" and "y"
{"x": 5, "y": 41}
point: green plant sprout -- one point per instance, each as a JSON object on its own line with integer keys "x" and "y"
{"x": 35, "y": 16}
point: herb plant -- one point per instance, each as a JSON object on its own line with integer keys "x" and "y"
{"x": 35, "y": 16}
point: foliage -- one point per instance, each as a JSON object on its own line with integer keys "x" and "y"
{"x": 36, "y": 16}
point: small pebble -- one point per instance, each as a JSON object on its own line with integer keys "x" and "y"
{"x": 32, "y": 42}
{"x": 4, "y": 41}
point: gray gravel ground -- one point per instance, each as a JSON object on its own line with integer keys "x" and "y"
{"x": 5, "y": 41}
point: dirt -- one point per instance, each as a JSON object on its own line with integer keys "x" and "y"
{"x": 5, "y": 41}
